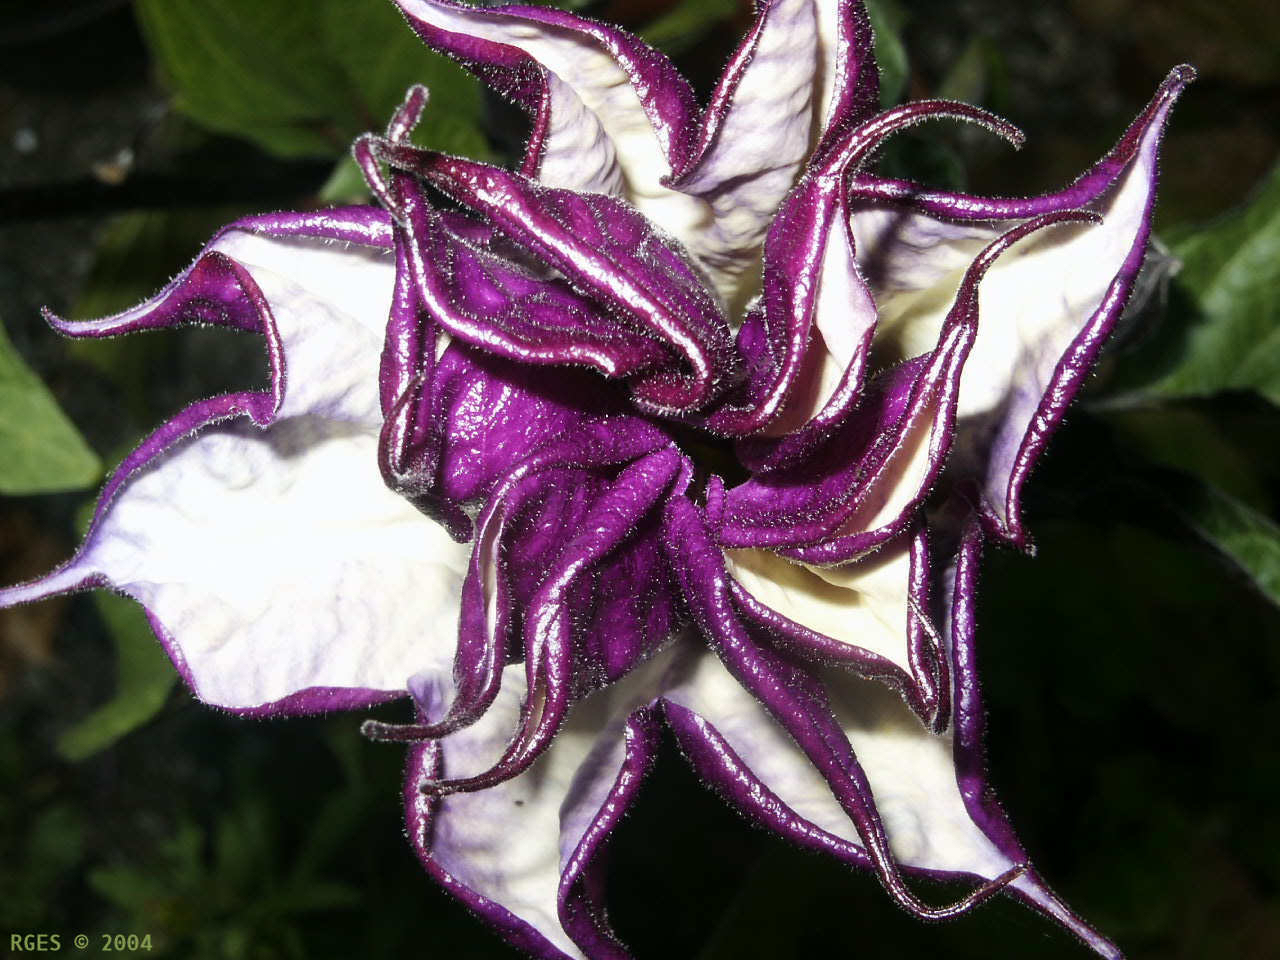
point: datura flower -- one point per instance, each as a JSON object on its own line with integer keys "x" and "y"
{"x": 493, "y": 472}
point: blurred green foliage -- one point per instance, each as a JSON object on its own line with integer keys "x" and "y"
{"x": 144, "y": 679}
{"x": 887, "y": 19}
{"x": 306, "y": 78}
{"x": 1226, "y": 335}
{"x": 687, "y": 22}
{"x": 40, "y": 449}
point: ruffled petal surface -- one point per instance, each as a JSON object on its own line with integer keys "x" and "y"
{"x": 838, "y": 762}
{"x": 277, "y": 569}
{"x": 649, "y": 298}
{"x": 612, "y": 115}
{"x": 305, "y": 547}
{"x": 525, "y": 854}
{"x": 1046, "y": 309}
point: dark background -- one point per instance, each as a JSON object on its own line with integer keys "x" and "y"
{"x": 1130, "y": 668}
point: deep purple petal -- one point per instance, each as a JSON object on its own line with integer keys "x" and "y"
{"x": 571, "y": 604}
{"x": 411, "y": 442}
{"x": 607, "y": 249}
{"x": 498, "y": 305}
{"x": 495, "y": 414}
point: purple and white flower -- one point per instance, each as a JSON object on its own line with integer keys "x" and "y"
{"x": 472, "y": 481}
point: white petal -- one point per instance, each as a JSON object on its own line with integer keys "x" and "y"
{"x": 844, "y": 317}
{"x": 910, "y": 770}
{"x": 1036, "y": 304}
{"x": 601, "y": 137}
{"x": 274, "y": 560}
{"x": 330, "y": 304}
{"x": 510, "y": 843}
{"x": 863, "y": 604}
{"x": 745, "y": 173}
{"x": 277, "y": 561}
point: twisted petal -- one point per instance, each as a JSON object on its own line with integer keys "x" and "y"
{"x": 485, "y": 299}
{"x": 525, "y": 854}
{"x": 609, "y": 292}
{"x": 570, "y": 603}
{"x": 279, "y": 572}
{"x": 838, "y": 763}
{"x": 612, "y": 115}
{"x": 816, "y": 317}
{"x": 804, "y": 71}
{"x": 603, "y": 248}
{"x": 868, "y": 616}
{"x": 1047, "y": 309}
{"x": 859, "y": 486}
{"x": 411, "y": 443}
{"x": 801, "y": 705}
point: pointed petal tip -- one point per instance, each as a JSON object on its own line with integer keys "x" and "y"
{"x": 68, "y": 578}
{"x": 58, "y": 322}
{"x": 1033, "y": 892}
{"x": 409, "y": 112}
{"x": 1172, "y": 87}
{"x": 867, "y": 136}
{"x": 976, "y": 897}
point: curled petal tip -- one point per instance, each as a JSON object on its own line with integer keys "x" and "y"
{"x": 870, "y": 134}
{"x": 1183, "y": 74}
{"x": 1005, "y": 129}
{"x": 369, "y": 151}
{"x": 408, "y": 113}
{"x": 57, "y": 321}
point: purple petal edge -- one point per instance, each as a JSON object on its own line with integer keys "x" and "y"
{"x": 424, "y": 764}
{"x": 579, "y": 898}
{"x": 1080, "y": 193}
{"x": 582, "y": 882}
{"x": 363, "y": 225}
{"x": 970, "y": 754}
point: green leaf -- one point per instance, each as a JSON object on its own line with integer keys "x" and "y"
{"x": 1198, "y": 442}
{"x": 345, "y": 184}
{"x": 306, "y": 78}
{"x": 887, "y": 20}
{"x": 1223, "y": 331}
{"x": 1247, "y": 537}
{"x": 1210, "y": 482}
{"x": 40, "y": 449}
{"x": 144, "y": 678}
